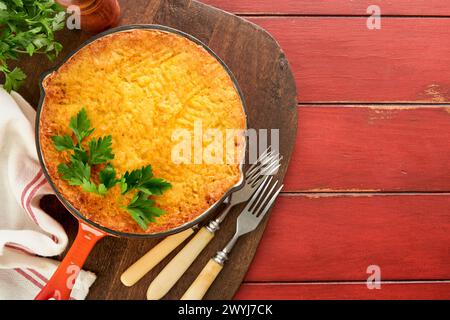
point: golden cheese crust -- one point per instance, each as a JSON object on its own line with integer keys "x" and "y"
{"x": 139, "y": 86}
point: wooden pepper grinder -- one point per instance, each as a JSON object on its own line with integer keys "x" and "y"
{"x": 95, "y": 15}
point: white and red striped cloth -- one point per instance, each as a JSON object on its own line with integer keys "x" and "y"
{"x": 27, "y": 233}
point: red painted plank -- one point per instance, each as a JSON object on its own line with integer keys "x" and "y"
{"x": 339, "y": 59}
{"x": 335, "y": 7}
{"x": 336, "y": 238}
{"x": 371, "y": 149}
{"x": 391, "y": 291}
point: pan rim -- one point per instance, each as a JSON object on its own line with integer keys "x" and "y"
{"x": 75, "y": 212}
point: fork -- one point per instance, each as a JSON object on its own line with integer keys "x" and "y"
{"x": 267, "y": 164}
{"x": 248, "y": 220}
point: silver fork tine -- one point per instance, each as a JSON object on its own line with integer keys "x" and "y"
{"x": 269, "y": 204}
{"x": 262, "y": 198}
{"x": 255, "y": 195}
{"x": 261, "y": 177}
{"x": 262, "y": 156}
{"x": 263, "y": 168}
{"x": 266, "y": 154}
{"x": 263, "y": 162}
{"x": 251, "y": 174}
{"x": 271, "y": 167}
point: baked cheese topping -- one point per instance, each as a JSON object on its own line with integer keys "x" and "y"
{"x": 140, "y": 86}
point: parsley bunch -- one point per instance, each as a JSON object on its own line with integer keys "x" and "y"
{"x": 27, "y": 26}
{"x": 78, "y": 171}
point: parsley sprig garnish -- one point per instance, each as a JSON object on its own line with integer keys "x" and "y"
{"x": 143, "y": 180}
{"x": 78, "y": 171}
{"x": 143, "y": 210}
{"x": 99, "y": 152}
{"x": 27, "y": 26}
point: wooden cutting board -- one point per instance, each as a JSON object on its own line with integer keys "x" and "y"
{"x": 266, "y": 80}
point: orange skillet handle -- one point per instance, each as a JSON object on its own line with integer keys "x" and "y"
{"x": 61, "y": 283}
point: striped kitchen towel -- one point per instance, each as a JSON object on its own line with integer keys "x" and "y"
{"x": 28, "y": 235}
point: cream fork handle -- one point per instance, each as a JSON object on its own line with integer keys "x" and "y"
{"x": 175, "y": 269}
{"x": 148, "y": 261}
{"x": 204, "y": 280}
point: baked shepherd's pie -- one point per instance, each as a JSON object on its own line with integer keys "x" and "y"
{"x": 107, "y": 129}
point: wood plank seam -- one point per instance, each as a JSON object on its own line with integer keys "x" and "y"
{"x": 334, "y": 282}
{"x": 368, "y": 104}
{"x": 300, "y": 15}
{"x": 403, "y": 8}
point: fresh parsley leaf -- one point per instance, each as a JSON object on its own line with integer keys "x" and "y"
{"x": 89, "y": 186}
{"x": 143, "y": 210}
{"x": 101, "y": 189}
{"x": 138, "y": 217}
{"x": 100, "y": 150}
{"x": 58, "y": 21}
{"x": 80, "y": 125}
{"x": 18, "y": 3}
{"x": 81, "y": 155}
{"x": 63, "y": 143}
{"x": 136, "y": 177}
{"x": 108, "y": 176}
{"x": 154, "y": 186}
{"x": 123, "y": 185}
{"x": 13, "y": 79}
{"x": 142, "y": 180}
{"x": 76, "y": 172}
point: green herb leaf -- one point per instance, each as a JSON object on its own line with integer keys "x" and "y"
{"x": 123, "y": 185}
{"x": 89, "y": 186}
{"x": 138, "y": 217}
{"x": 137, "y": 177}
{"x": 18, "y": 3}
{"x": 76, "y": 172}
{"x": 108, "y": 176}
{"x": 100, "y": 150}
{"x": 154, "y": 186}
{"x": 80, "y": 125}
{"x": 142, "y": 179}
{"x": 143, "y": 210}
{"x": 81, "y": 155}
{"x": 13, "y": 79}
{"x": 58, "y": 21}
{"x": 102, "y": 189}
{"x": 63, "y": 143}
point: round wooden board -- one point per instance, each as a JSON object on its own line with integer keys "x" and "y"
{"x": 266, "y": 80}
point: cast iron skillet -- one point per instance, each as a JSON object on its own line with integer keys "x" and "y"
{"x": 61, "y": 283}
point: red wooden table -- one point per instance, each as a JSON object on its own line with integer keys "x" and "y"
{"x": 369, "y": 182}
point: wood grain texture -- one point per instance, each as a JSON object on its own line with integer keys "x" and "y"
{"x": 269, "y": 88}
{"x": 335, "y": 238}
{"x": 344, "y": 291}
{"x": 334, "y": 7}
{"x": 371, "y": 148}
{"x": 339, "y": 59}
